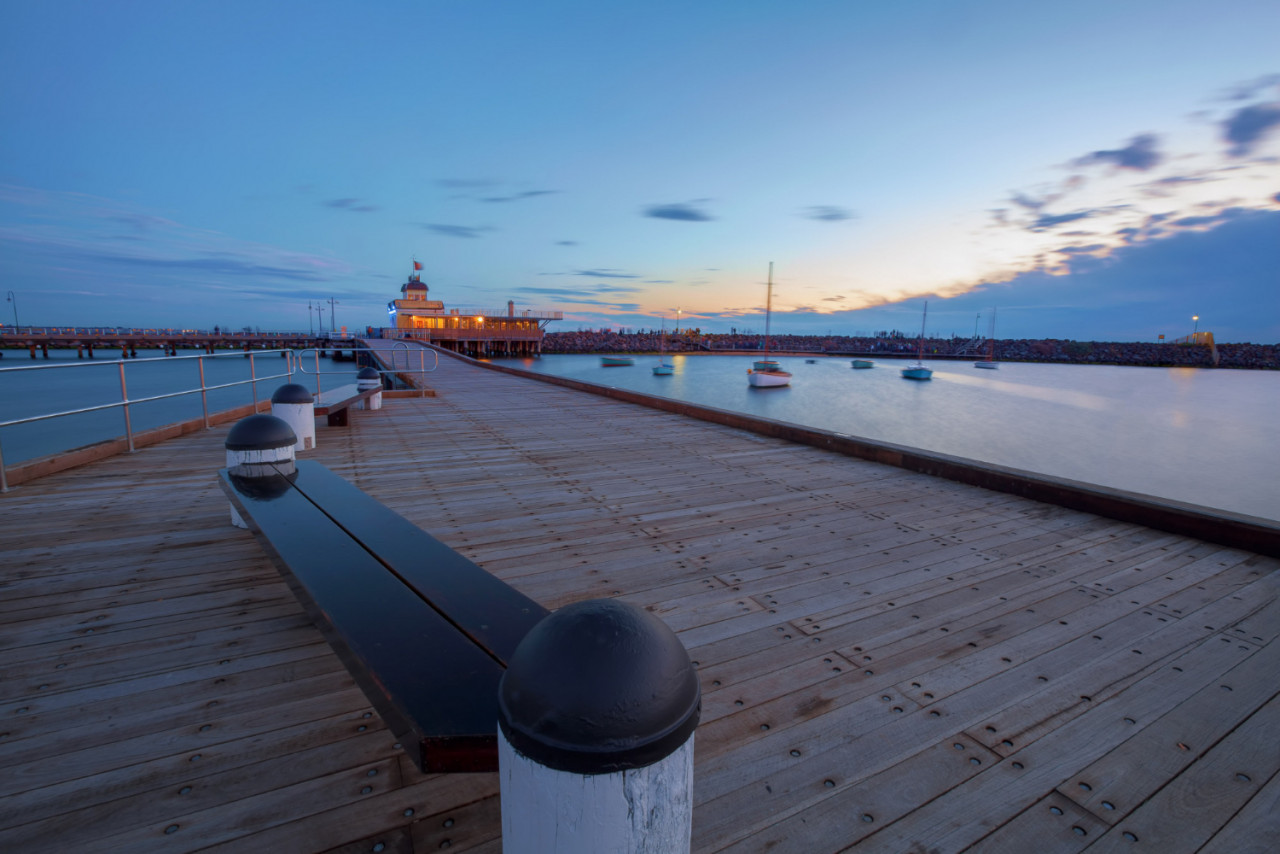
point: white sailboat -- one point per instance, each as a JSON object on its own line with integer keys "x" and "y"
{"x": 990, "y": 362}
{"x": 918, "y": 371}
{"x": 766, "y": 373}
{"x": 662, "y": 369}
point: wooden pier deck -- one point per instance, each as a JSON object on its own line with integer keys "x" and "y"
{"x": 889, "y": 662}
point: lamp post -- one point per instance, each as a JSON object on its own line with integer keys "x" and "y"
{"x": 311, "y": 321}
{"x": 677, "y": 321}
{"x": 13, "y": 299}
{"x": 332, "y": 326}
{"x": 1195, "y": 329}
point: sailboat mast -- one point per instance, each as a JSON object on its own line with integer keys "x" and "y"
{"x": 768, "y": 309}
{"x": 924, "y": 318}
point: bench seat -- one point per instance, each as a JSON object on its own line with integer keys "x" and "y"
{"x": 335, "y": 402}
{"x": 425, "y": 632}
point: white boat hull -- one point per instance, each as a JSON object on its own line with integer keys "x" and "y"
{"x": 863, "y": 364}
{"x": 663, "y": 370}
{"x": 768, "y": 379}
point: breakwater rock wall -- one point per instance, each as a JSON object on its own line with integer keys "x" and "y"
{"x": 1137, "y": 353}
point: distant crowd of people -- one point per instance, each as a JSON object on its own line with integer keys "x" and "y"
{"x": 1254, "y": 356}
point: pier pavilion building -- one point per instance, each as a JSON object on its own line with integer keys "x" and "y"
{"x": 475, "y": 332}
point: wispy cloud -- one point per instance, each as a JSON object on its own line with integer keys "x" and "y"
{"x": 515, "y": 197}
{"x": 828, "y": 213}
{"x": 605, "y": 274}
{"x": 353, "y": 205}
{"x": 1139, "y": 155}
{"x": 1046, "y": 221}
{"x": 463, "y": 231}
{"x": 1248, "y": 126}
{"x": 680, "y": 211}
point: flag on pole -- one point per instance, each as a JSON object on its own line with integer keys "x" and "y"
{"x": 417, "y": 265}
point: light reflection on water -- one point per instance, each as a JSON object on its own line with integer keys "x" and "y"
{"x": 1201, "y": 436}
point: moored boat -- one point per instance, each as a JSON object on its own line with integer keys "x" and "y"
{"x": 918, "y": 371}
{"x": 862, "y": 364}
{"x": 990, "y": 362}
{"x": 616, "y": 361}
{"x": 662, "y": 369}
{"x": 766, "y": 372}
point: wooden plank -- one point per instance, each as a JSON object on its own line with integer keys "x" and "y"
{"x": 1196, "y": 804}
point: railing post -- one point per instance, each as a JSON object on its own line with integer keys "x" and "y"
{"x": 124, "y": 397}
{"x": 253, "y": 381}
{"x": 204, "y": 394}
{"x": 596, "y": 715}
{"x": 259, "y": 446}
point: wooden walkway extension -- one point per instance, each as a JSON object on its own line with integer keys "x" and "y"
{"x": 889, "y": 662}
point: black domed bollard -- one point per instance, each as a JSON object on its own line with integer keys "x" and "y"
{"x": 370, "y": 378}
{"x": 596, "y": 713}
{"x": 294, "y": 405}
{"x": 259, "y": 446}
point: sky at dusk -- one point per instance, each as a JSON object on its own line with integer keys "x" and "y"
{"x": 1093, "y": 170}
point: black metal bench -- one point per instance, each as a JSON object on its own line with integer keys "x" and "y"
{"x": 335, "y": 402}
{"x": 425, "y": 632}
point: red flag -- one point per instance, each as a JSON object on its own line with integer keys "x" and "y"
{"x": 417, "y": 265}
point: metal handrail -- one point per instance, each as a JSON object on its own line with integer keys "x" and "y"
{"x": 125, "y": 402}
{"x": 422, "y": 363}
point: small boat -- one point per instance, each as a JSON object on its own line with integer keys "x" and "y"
{"x": 662, "y": 369}
{"x": 811, "y": 361}
{"x": 990, "y": 362}
{"x": 918, "y": 371}
{"x": 766, "y": 373}
{"x": 616, "y": 361}
{"x": 862, "y": 364}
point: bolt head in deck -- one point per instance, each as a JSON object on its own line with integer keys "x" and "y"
{"x": 598, "y": 687}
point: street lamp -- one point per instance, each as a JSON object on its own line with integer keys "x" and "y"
{"x": 13, "y": 299}
{"x": 311, "y": 321}
{"x": 677, "y": 320}
{"x": 1196, "y": 328}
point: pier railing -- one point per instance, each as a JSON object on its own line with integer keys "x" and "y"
{"x": 123, "y": 404}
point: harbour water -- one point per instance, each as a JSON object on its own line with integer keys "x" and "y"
{"x": 1205, "y": 437}
{"x": 82, "y": 383}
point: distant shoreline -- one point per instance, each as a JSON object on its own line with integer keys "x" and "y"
{"x": 1263, "y": 357}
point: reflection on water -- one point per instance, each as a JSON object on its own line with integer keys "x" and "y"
{"x": 1194, "y": 435}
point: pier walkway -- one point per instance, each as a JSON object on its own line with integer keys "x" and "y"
{"x": 889, "y": 662}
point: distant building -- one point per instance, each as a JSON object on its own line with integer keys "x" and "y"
{"x": 475, "y": 332}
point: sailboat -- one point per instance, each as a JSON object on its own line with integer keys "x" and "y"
{"x": 918, "y": 371}
{"x": 765, "y": 373}
{"x": 990, "y": 362}
{"x": 662, "y": 369}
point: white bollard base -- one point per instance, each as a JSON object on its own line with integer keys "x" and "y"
{"x": 545, "y": 811}
{"x": 372, "y": 402}
{"x": 302, "y": 418}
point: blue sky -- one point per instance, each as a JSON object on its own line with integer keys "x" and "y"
{"x": 1092, "y": 169}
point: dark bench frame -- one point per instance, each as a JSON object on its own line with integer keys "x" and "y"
{"x": 426, "y": 633}
{"x": 335, "y": 402}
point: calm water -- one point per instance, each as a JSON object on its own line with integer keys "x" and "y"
{"x": 1202, "y": 436}
{"x": 87, "y": 382}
